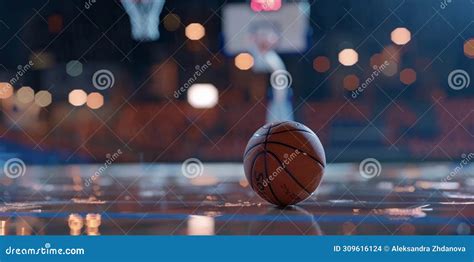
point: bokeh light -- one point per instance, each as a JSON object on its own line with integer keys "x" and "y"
{"x": 391, "y": 69}
{"x": 391, "y": 52}
{"x": 6, "y": 90}
{"x": 195, "y": 31}
{"x": 407, "y": 229}
{"x": 463, "y": 229}
{"x": 469, "y": 48}
{"x": 244, "y": 61}
{"x": 74, "y": 68}
{"x": 351, "y": 82}
{"x": 400, "y": 36}
{"x": 171, "y": 22}
{"x": 25, "y": 94}
{"x": 349, "y": 228}
{"x": 348, "y": 57}
{"x": 55, "y": 23}
{"x": 95, "y": 100}
{"x": 43, "y": 98}
{"x": 203, "y": 95}
{"x": 321, "y": 64}
{"x": 77, "y": 97}
{"x": 376, "y": 60}
{"x": 243, "y": 182}
{"x": 42, "y": 60}
{"x": 201, "y": 225}
{"x": 408, "y": 76}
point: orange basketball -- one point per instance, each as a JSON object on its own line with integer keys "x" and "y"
{"x": 284, "y": 162}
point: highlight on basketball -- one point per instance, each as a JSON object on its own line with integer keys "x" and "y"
{"x": 154, "y": 121}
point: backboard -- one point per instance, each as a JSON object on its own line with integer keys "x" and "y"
{"x": 242, "y": 27}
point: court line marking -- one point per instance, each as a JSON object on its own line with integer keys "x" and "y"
{"x": 432, "y": 220}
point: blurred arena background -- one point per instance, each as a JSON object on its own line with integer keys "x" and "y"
{"x": 77, "y": 88}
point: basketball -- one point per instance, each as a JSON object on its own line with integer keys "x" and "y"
{"x": 284, "y": 162}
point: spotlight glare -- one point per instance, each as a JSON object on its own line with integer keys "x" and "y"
{"x": 401, "y": 36}
{"x": 203, "y": 96}
{"x": 195, "y": 31}
{"x": 348, "y": 57}
{"x": 77, "y": 97}
{"x": 244, "y": 61}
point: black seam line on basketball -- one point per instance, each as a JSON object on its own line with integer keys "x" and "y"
{"x": 271, "y": 126}
{"x": 251, "y": 148}
{"x": 279, "y": 132}
{"x": 294, "y": 130}
{"x": 283, "y": 144}
{"x": 251, "y": 168}
{"x": 269, "y": 184}
{"x": 266, "y": 173}
{"x": 265, "y": 165}
{"x": 288, "y": 172}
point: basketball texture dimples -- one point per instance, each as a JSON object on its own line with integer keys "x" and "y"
{"x": 284, "y": 162}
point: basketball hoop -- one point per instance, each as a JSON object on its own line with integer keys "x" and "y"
{"x": 144, "y": 18}
{"x": 263, "y": 39}
{"x": 264, "y": 36}
{"x": 282, "y": 31}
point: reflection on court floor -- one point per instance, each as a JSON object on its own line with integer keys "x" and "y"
{"x": 159, "y": 200}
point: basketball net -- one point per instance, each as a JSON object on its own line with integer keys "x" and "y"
{"x": 262, "y": 43}
{"x": 266, "y": 59}
{"x": 144, "y": 18}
